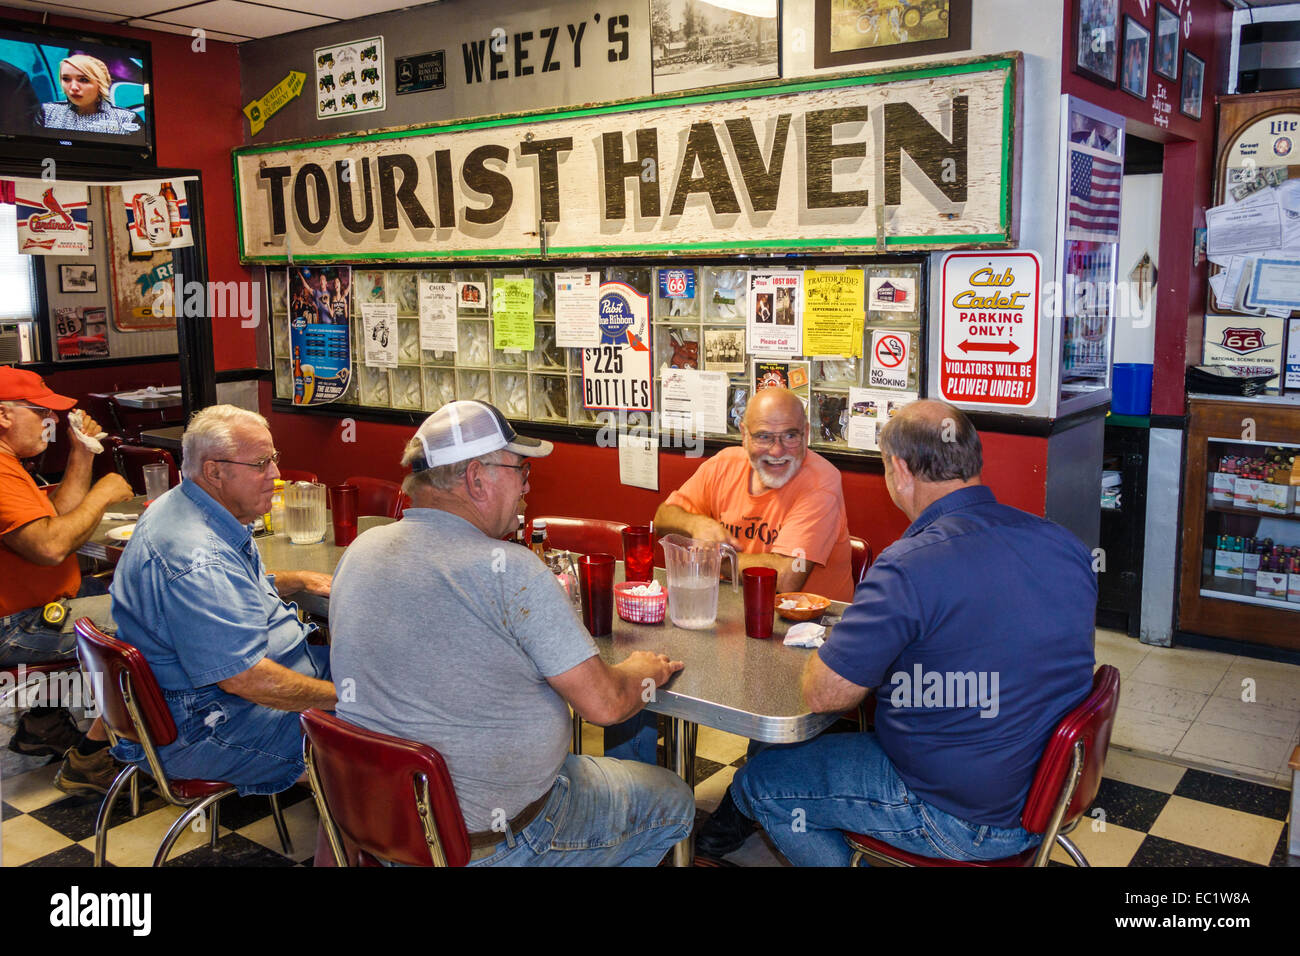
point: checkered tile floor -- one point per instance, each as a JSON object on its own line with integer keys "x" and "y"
{"x": 1154, "y": 813}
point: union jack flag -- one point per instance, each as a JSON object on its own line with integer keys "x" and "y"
{"x": 1093, "y": 210}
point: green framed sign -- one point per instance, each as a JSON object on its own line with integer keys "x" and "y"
{"x": 921, "y": 158}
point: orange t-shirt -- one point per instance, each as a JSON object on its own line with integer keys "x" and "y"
{"x": 25, "y": 585}
{"x": 806, "y": 515}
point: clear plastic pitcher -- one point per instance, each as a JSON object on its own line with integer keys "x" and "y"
{"x": 304, "y": 512}
{"x": 693, "y": 570}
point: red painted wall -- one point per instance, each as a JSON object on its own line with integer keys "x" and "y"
{"x": 198, "y": 122}
{"x": 1188, "y": 175}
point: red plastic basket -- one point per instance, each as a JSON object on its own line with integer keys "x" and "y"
{"x": 640, "y": 608}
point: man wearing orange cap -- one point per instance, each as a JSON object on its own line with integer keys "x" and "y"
{"x": 39, "y": 538}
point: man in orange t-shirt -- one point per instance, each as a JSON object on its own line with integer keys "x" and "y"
{"x": 775, "y": 501}
{"x": 39, "y": 538}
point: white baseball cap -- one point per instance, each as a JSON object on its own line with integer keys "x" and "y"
{"x": 462, "y": 430}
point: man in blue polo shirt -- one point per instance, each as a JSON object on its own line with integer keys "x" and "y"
{"x": 976, "y": 630}
{"x": 191, "y": 593}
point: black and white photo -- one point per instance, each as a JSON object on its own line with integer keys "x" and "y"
{"x": 80, "y": 277}
{"x": 695, "y": 43}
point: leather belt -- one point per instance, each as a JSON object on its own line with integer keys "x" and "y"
{"x": 484, "y": 839}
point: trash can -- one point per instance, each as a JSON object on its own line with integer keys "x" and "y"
{"x": 1131, "y": 388}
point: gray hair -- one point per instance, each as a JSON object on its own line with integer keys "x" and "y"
{"x": 439, "y": 477}
{"x": 944, "y": 449}
{"x": 211, "y": 434}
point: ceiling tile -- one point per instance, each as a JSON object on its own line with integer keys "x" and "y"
{"x": 346, "y": 9}
{"x": 59, "y": 9}
{"x": 164, "y": 27}
{"x": 243, "y": 19}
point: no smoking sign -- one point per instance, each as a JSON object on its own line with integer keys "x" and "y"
{"x": 890, "y": 352}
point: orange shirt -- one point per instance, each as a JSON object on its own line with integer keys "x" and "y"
{"x": 806, "y": 515}
{"x": 25, "y": 585}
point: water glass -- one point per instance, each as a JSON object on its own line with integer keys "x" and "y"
{"x": 343, "y": 514}
{"x": 596, "y": 582}
{"x": 760, "y": 600}
{"x": 304, "y": 512}
{"x": 638, "y": 553}
{"x": 156, "y": 479}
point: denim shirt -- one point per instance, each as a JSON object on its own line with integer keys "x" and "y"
{"x": 192, "y": 594}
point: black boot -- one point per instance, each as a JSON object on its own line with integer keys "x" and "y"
{"x": 726, "y": 830}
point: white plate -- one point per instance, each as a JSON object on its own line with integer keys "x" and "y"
{"x": 122, "y": 533}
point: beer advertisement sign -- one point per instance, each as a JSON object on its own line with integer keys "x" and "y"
{"x": 320, "y": 344}
{"x": 616, "y": 373}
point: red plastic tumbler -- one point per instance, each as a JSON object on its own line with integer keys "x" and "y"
{"x": 760, "y": 600}
{"x": 638, "y": 553}
{"x": 343, "y": 513}
{"x": 596, "y": 581}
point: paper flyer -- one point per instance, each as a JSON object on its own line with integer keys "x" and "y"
{"x": 869, "y": 410}
{"x": 512, "y": 314}
{"x": 379, "y": 325}
{"x": 832, "y": 311}
{"x": 438, "y": 316}
{"x": 638, "y": 461}
{"x": 694, "y": 402}
{"x": 891, "y": 294}
{"x": 577, "y": 297}
{"x": 773, "y": 313}
{"x": 781, "y": 374}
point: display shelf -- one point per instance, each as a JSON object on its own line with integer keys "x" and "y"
{"x": 1250, "y": 512}
{"x": 1250, "y": 599}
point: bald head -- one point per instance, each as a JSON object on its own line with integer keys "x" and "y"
{"x": 770, "y": 403}
{"x": 936, "y": 440}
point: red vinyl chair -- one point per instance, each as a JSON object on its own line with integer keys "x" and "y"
{"x": 375, "y": 496}
{"x": 388, "y": 797}
{"x": 584, "y": 535}
{"x": 1064, "y": 786}
{"x": 131, "y": 460}
{"x": 860, "y": 556}
{"x": 294, "y": 474}
{"x": 133, "y": 708}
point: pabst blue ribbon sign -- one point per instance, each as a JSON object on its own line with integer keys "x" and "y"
{"x": 616, "y": 374}
{"x": 903, "y": 159}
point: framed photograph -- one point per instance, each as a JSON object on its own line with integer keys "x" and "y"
{"x": 695, "y": 45}
{"x": 1096, "y": 41}
{"x": 1193, "y": 85}
{"x": 1166, "y": 59}
{"x": 1137, "y": 57}
{"x": 853, "y": 31}
{"x": 80, "y": 277}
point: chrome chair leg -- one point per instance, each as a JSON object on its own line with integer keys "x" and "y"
{"x": 106, "y": 812}
{"x": 214, "y": 821}
{"x": 135, "y": 795}
{"x": 691, "y": 733}
{"x": 281, "y": 830}
{"x": 1068, "y": 846}
{"x": 184, "y": 820}
{"x": 577, "y": 734}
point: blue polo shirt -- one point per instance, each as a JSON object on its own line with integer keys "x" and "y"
{"x": 192, "y": 594}
{"x": 976, "y": 629}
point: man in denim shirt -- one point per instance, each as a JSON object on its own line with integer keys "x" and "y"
{"x": 976, "y": 629}
{"x": 192, "y": 594}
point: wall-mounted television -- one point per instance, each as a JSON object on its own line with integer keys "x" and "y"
{"x": 74, "y": 96}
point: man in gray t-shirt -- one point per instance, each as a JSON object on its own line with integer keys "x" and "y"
{"x": 445, "y": 634}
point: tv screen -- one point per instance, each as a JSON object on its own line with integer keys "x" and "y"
{"x": 63, "y": 88}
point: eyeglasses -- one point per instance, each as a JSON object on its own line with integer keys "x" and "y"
{"x": 790, "y": 437}
{"x": 39, "y": 409}
{"x": 524, "y": 469}
{"x": 260, "y": 464}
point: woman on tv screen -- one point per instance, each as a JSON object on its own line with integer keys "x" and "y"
{"x": 86, "y": 83}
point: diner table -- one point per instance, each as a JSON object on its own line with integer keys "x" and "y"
{"x": 167, "y": 438}
{"x": 731, "y": 681}
{"x": 150, "y": 398}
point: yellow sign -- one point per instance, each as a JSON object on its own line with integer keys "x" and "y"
{"x": 259, "y": 111}
{"x": 512, "y": 314}
{"x": 833, "y": 313}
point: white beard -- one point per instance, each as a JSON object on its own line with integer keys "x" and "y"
{"x": 774, "y": 481}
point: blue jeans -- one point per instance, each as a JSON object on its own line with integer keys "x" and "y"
{"x": 602, "y": 812}
{"x": 636, "y": 738}
{"x": 27, "y": 639}
{"x": 805, "y": 795}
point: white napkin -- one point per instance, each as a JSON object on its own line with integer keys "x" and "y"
{"x": 76, "y": 419}
{"x": 116, "y": 516}
{"x": 807, "y": 634}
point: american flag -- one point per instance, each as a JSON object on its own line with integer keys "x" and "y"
{"x": 1093, "y": 212}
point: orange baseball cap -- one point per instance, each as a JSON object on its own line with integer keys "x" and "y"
{"x": 19, "y": 385}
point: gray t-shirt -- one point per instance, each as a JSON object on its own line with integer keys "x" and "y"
{"x": 449, "y": 636}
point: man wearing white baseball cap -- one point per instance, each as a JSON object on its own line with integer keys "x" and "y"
{"x": 445, "y": 634}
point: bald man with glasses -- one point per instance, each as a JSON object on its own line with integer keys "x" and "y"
{"x": 777, "y": 503}
{"x": 192, "y": 594}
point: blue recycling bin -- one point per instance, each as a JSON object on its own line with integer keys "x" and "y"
{"x": 1130, "y": 388}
